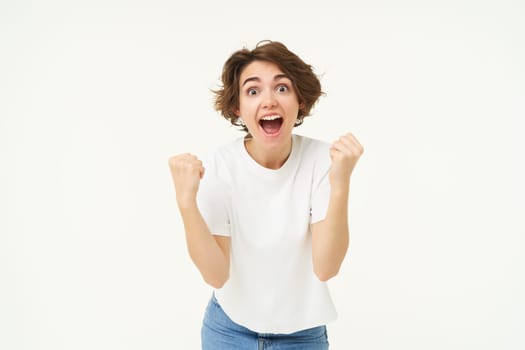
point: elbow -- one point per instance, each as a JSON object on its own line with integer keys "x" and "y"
{"x": 324, "y": 274}
{"x": 216, "y": 282}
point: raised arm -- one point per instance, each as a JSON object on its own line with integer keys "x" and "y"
{"x": 330, "y": 237}
{"x": 211, "y": 254}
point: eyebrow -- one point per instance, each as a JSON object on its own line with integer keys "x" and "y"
{"x": 277, "y": 77}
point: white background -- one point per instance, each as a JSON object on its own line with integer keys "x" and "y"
{"x": 96, "y": 95}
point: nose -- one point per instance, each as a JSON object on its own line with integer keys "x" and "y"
{"x": 269, "y": 100}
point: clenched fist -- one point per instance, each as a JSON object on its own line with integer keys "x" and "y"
{"x": 345, "y": 153}
{"x": 186, "y": 171}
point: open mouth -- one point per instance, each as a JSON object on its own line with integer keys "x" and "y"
{"x": 271, "y": 124}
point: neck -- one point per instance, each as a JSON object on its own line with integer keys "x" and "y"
{"x": 271, "y": 158}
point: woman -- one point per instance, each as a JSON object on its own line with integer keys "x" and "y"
{"x": 265, "y": 216}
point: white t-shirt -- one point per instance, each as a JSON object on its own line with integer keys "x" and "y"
{"x": 267, "y": 214}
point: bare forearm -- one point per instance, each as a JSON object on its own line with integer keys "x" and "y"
{"x": 331, "y": 236}
{"x": 204, "y": 250}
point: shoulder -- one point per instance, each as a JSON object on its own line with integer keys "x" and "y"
{"x": 218, "y": 161}
{"x": 313, "y": 148}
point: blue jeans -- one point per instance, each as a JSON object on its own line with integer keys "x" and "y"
{"x": 219, "y": 332}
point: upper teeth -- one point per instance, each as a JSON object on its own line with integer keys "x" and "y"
{"x": 271, "y": 117}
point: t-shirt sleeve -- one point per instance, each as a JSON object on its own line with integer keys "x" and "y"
{"x": 212, "y": 201}
{"x": 321, "y": 188}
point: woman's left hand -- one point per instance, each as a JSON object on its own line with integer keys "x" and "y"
{"x": 345, "y": 153}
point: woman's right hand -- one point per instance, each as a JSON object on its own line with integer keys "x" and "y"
{"x": 186, "y": 172}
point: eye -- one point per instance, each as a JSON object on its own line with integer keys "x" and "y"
{"x": 251, "y": 92}
{"x": 282, "y": 88}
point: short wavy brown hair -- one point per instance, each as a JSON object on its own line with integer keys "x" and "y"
{"x": 306, "y": 84}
